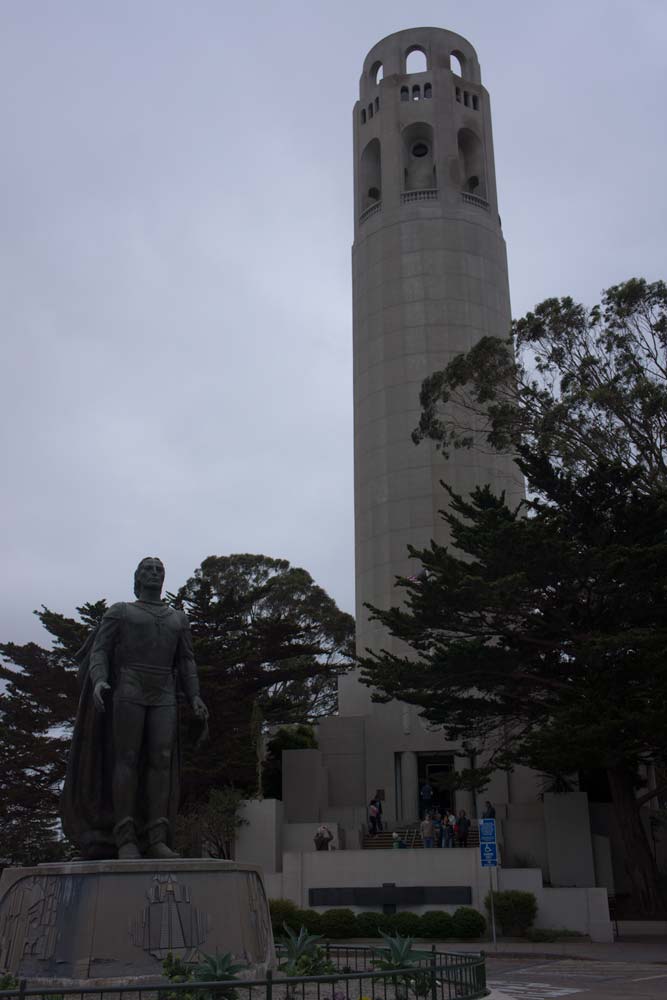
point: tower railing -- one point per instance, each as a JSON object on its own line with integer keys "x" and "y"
{"x": 427, "y": 194}
{"x": 474, "y": 199}
{"x": 371, "y": 210}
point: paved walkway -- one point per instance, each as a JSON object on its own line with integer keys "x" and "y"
{"x": 645, "y": 949}
{"x": 625, "y": 949}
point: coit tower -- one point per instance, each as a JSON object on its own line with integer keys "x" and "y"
{"x": 429, "y": 280}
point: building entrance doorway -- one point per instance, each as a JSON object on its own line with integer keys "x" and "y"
{"x": 434, "y": 772}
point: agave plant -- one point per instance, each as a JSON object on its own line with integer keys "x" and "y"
{"x": 303, "y": 954}
{"x": 214, "y": 969}
{"x": 399, "y": 954}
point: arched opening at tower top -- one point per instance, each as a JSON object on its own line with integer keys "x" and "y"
{"x": 471, "y": 163}
{"x": 370, "y": 175}
{"x": 415, "y": 60}
{"x": 457, "y": 62}
{"x": 377, "y": 72}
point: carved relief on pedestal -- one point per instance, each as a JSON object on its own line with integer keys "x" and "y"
{"x": 169, "y": 922}
{"x": 29, "y": 919}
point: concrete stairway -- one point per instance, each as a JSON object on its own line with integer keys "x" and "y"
{"x": 410, "y": 836}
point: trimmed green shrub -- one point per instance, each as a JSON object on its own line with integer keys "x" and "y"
{"x": 370, "y": 923}
{"x": 436, "y": 924}
{"x": 406, "y": 924}
{"x": 283, "y": 911}
{"x": 515, "y": 910}
{"x": 468, "y": 923}
{"x": 339, "y": 923}
{"x": 310, "y": 919}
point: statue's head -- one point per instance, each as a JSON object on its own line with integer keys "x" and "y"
{"x": 149, "y": 573}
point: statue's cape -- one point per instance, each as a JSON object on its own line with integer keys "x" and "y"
{"x": 86, "y": 805}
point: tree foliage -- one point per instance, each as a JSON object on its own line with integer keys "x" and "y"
{"x": 269, "y": 643}
{"x": 540, "y": 633}
{"x": 265, "y": 635}
{"x": 37, "y": 709}
{"x": 212, "y": 826}
{"x": 578, "y": 385}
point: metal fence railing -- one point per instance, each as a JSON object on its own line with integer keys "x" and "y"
{"x": 436, "y": 975}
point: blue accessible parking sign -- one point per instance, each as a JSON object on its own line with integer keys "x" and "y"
{"x": 487, "y": 831}
{"x": 489, "y": 855}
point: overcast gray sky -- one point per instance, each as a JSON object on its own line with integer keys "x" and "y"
{"x": 174, "y": 258}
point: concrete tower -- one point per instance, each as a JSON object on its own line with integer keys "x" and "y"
{"x": 429, "y": 279}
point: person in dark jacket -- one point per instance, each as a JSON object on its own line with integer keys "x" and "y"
{"x": 462, "y": 829}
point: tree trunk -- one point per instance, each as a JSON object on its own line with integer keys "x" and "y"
{"x": 639, "y": 861}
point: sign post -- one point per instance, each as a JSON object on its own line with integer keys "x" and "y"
{"x": 488, "y": 853}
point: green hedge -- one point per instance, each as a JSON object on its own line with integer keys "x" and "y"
{"x": 370, "y": 924}
{"x": 468, "y": 923}
{"x": 339, "y": 924}
{"x": 439, "y": 925}
{"x": 515, "y": 911}
{"x": 405, "y": 923}
{"x": 436, "y": 924}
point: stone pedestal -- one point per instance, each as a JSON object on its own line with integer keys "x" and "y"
{"x": 115, "y": 921}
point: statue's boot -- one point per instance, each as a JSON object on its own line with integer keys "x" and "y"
{"x": 157, "y": 834}
{"x": 125, "y": 833}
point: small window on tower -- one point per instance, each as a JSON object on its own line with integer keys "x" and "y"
{"x": 370, "y": 110}
{"x": 377, "y": 103}
{"x": 458, "y": 94}
{"x": 475, "y": 102}
{"x": 466, "y": 98}
{"x": 363, "y": 116}
{"x": 420, "y": 149}
{"x": 405, "y": 94}
{"x": 374, "y": 194}
{"x": 416, "y": 92}
{"x": 428, "y": 91}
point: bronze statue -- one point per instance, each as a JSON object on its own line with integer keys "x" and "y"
{"x": 120, "y": 797}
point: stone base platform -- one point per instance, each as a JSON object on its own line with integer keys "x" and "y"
{"x": 111, "y": 921}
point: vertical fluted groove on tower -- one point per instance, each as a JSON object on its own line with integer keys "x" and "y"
{"x": 429, "y": 279}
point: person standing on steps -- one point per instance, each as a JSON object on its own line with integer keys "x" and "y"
{"x": 425, "y": 798}
{"x": 426, "y": 830}
{"x": 463, "y": 829}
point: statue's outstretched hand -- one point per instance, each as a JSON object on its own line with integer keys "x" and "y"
{"x": 199, "y": 708}
{"x": 98, "y": 695}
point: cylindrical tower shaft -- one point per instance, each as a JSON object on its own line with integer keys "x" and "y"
{"x": 429, "y": 279}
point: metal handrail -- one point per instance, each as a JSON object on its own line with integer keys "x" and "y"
{"x": 453, "y": 976}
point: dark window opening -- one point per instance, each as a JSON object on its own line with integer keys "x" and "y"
{"x": 466, "y": 98}
{"x": 377, "y": 103}
{"x": 416, "y": 92}
{"x": 428, "y": 91}
{"x": 420, "y": 149}
{"x": 363, "y": 116}
{"x": 475, "y": 102}
{"x": 370, "y": 110}
{"x": 473, "y": 183}
{"x": 458, "y": 94}
{"x": 374, "y": 193}
{"x": 405, "y": 94}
